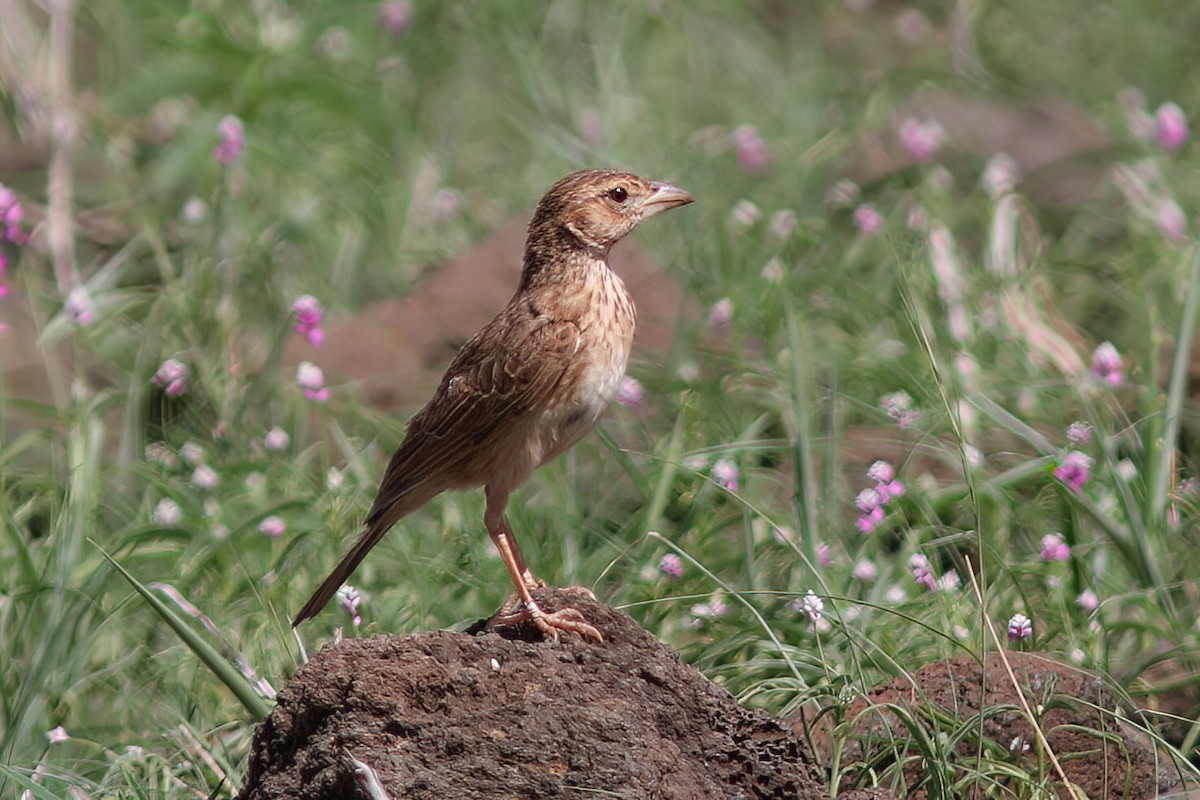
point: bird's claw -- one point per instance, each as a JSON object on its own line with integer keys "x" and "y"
{"x": 550, "y": 623}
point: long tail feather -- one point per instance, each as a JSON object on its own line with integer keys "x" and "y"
{"x": 342, "y": 571}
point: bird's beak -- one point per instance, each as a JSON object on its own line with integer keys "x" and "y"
{"x": 665, "y": 196}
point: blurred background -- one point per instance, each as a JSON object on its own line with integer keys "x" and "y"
{"x": 248, "y": 238}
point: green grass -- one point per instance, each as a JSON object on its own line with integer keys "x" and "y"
{"x": 346, "y": 143}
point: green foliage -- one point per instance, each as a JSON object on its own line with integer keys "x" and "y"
{"x": 352, "y": 135}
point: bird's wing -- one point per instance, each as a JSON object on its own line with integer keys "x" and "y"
{"x": 513, "y": 367}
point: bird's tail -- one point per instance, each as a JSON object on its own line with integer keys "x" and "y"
{"x": 342, "y": 571}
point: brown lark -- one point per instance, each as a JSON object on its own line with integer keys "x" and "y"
{"x": 531, "y": 383}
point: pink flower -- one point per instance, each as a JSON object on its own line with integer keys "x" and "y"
{"x": 350, "y": 599}
{"x": 307, "y": 311}
{"x": 311, "y": 379}
{"x": 868, "y": 500}
{"x": 1019, "y": 627}
{"x": 810, "y": 606}
{"x": 1171, "y": 222}
{"x": 671, "y": 565}
{"x": 745, "y": 213}
{"x": 720, "y": 316}
{"x": 79, "y": 308}
{"x": 751, "y": 150}
{"x": 1088, "y": 600}
{"x": 1054, "y": 548}
{"x": 57, "y": 735}
{"x": 781, "y": 225}
{"x": 725, "y": 473}
{"x": 714, "y": 608}
{"x": 881, "y": 472}
{"x": 1000, "y": 175}
{"x": 1079, "y": 432}
{"x": 629, "y": 393}
{"x": 276, "y": 439}
{"x": 1170, "y": 126}
{"x": 231, "y": 140}
{"x": 922, "y": 571}
{"x": 205, "y": 477}
{"x": 167, "y": 513}
{"x": 869, "y": 520}
{"x": 921, "y": 138}
{"x": 868, "y": 219}
{"x": 824, "y": 556}
{"x": 898, "y": 406}
{"x": 864, "y": 570}
{"x": 1106, "y": 364}
{"x": 11, "y": 213}
{"x": 272, "y": 526}
{"x": 395, "y": 16}
{"x": 1074, "y": 470}
{"x": 172, "y": 374}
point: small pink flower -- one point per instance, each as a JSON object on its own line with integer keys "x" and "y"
{"x": 349, "y": 599}
{"x": 167, "y": 513}
{"x": 810, "y": 606}
{"x": 891, "y": 490}
{"x": 57, "y": 735}
{"x": 751, "y": 150}
{"x": 868, "y": 219}
{"x": 311, "y": 379}
{"x": 868, "y": 500}
{"x": 725, "y": 473}
{"x": 11, "y": 214}
{"x": 1019, "y": 627}
{"x": 205, "y": 477}
{"x": 1088, "y": 600}
{"x": 1000, "y": 175}
{"x": 307, "y": 311}
{"x": 272, "y": 526}
{"x": 671, "y": 565}
{"x": 881, "y": 472}
{"x": 79, "y": 307}
{"x": 714, "y": 608}
{"x": 395, "y": 16}
{"x": 276, "y": 439}
{"x": 745, "y": 213}
{"x": 1074, "y": 470}
{"x": 1171, "y": 221}
{"x": 1054, "y": 548}
{"x": 824, "y": 556}
{"x": 1170, "y": 126}
{"x": 629, "y": 393}
{"x": 781, "y": 225}
{"x": 172, "y": 374}
{"x": 922, "y": 571}
{"x": 720, "y": 316}
{"x": 1079, "y": 432}
{"x": 898, "y": 406}
{"x": 842, "y": 194}
{"x": 921, "y": 138}
{"x": 231, "y": 140}
{"x": 1106, "y": 364}
{"x": 869, "y": 520}
{"x": 864, "y": 570}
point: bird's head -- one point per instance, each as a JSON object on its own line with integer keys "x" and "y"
{"x": 597, "y": 207}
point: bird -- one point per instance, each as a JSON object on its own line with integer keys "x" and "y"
{"x": 529, "y": 384}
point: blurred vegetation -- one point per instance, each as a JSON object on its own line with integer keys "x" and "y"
{"x": 355, "y": 133}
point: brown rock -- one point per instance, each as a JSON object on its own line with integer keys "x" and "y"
{"x": 441, "y": 715}
{"x": 1101, "y": 754}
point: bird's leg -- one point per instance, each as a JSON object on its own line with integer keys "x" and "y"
{"x": 549, "y": 623}
{"x": 526, "y": 575}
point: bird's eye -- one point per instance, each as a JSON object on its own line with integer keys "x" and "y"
{"x": 618, "y": 194}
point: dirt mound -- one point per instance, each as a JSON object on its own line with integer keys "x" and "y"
{"x": 1100, "y": 752}
{"x": 440, "y": 715}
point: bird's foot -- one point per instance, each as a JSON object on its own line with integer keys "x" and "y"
{"x": 532, "y": 582}
{"x": 549, "y": 623}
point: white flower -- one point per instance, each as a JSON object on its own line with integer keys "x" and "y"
{"x": 167, "y": 513}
